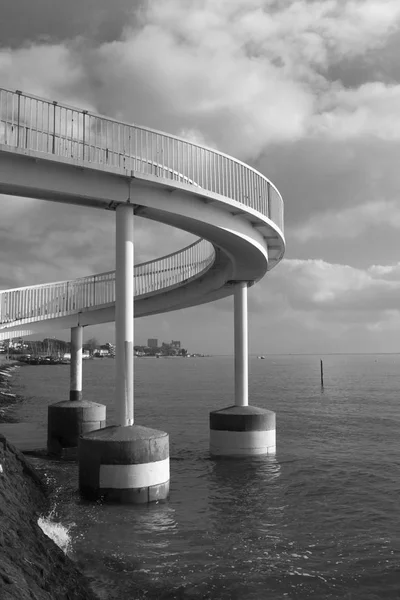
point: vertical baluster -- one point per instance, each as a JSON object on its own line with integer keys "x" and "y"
{"x": 46, "y": 127}
{"x": 42, "y": 131}
{"x": 231, "y": 179}
{"x": 11, "y": 310}
{"x": 5, "y": 104}
{"x": 263, "y": 196}
{"x": 66, "y": 136}
{"x": 25, "y": 311}
{"x": 166, "y": 155}
{"x": 130, "y": 133}
{"x": 187, "y": 169}
{"x": 115, "y": 143}
{"x": 41, "y": 301}
{"x": 15, "y": 305}
{"x": 54, "y": 300}
{"x": 85, "y": 155}
{"x": 18, "y": 115}
{"x": 245, "y": 196}
{"x": 173, "y": 158}
{"x": 250, "y": 188}
{"x": 153, "y": 169}
{"x": 106, "y": 141}
{"x": 36, "y": 145}
{"x": 30, "y": 145}
{"x": 212, "y": 172}
{"x": 59, "y": 144}
{"x": 47, "y": 303}
{"x": 135, "y": 162}
{"x": 220, "y": 174}
{"x": 34, "y": 307}
{"x": 256, "y": 183}
{"x": 2, "y": 307}
{"x": 137, "y": 280}
{"x": 101, "y": 140}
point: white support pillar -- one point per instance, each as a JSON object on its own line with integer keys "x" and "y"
{"x": 241, "y": 345}
{"x": 124, "y": 298}
{"x": 75, "y": 392}
{"x": 242, "y": 430}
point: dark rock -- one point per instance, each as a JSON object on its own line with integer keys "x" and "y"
{"x": 32, "y": 566}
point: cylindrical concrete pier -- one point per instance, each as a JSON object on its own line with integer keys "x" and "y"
{"x": 76, "y": 364}
{"x": 124, "y": 464}
{"x": 242, "y": 431}
{"x": 67, "y": 421}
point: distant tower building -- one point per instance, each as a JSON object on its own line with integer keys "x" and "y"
{"x": 152, "y": 343}
{"x": 176, "y": 344}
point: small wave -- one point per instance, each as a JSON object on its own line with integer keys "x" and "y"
{"x": 56, "y": 532}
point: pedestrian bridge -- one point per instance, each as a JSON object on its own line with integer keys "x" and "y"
{"x": 55, "y": 152}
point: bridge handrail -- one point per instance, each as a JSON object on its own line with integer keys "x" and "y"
{"x": 51, "y": 300}
{"x": 32, "y": 123}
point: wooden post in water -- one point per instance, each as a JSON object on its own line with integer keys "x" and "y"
{"x": 322, "y": 373}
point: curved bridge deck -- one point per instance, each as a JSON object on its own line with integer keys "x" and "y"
{"x": 60, "y": 153}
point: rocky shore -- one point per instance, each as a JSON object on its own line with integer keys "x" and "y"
{"x": 32, "y": 566}
{"x": 7, "y": 397}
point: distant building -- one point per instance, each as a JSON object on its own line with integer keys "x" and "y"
{"x": 152, "y": 343}
{"x": 17, "y": 344}
{"x": 106, "y": 350}
{"x": 176, "y": 344}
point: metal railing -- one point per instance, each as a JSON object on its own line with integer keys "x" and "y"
{"x": 53, "y": 300}
{"x": 32, "y": 123}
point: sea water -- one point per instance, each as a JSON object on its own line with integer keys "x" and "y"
{"x": 319, "y": 520}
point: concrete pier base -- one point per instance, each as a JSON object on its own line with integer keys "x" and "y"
{"x": 242, "y": 431}
{"x": 67, "y": 421}
{"x": 124, "y": 464}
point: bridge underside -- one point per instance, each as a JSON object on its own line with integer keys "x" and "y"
{"x": 243, "y": 240}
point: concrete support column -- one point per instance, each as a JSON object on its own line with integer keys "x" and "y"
{"x": 125, "y": 463}
{"x": 124, "y": 299}
{"x": 76, "y": 363}
{"x": 241, "y": 430}
{"x": 241, "y": 345}
{"x": 68, "y": 420}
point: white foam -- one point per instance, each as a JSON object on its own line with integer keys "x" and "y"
{"x": 56, "y": 532}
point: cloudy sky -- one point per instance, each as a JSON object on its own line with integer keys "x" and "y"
{"x": 306, "y": 91}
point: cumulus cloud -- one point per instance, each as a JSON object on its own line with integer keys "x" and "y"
{"x": 369, "y": 111}
{"x": 334, "y": 292}
{"x": 249, "y": 77}
{"x": 239, "y": 75}
{"x": 349, "y": 222}
{"x": 316, "y": 306}
{"x": 42, "y": 70}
